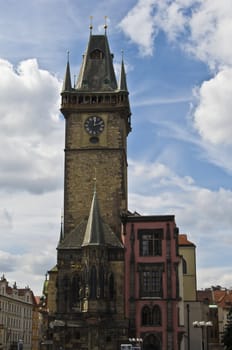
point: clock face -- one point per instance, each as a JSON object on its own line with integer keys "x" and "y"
{"x": 94, "y": 125}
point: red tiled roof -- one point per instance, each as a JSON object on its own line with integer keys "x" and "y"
{"x": 223, "y": 298}
{"x": 183, "y": 240}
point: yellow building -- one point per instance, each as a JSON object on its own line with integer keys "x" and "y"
{"x": 187, "y": 250}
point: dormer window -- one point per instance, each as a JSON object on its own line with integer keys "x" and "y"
{"x": 96, "y": 54}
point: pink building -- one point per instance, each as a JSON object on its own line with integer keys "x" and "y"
{"x": 153, "y": 268}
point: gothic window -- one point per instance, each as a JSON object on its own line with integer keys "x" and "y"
{"x": 145, "y": 316}
{"x": 101, "y": 282}
{"x": 111, "y": 286}
{"x": 151, "y": 280}
{"x": 150, "y": 242}
{"x": 184, "y": 263}
{"x": 156, "y": 316}
{"x": 93, "y": 283}
{"x": 96, "y": 54}
{"x": 75, "y": 289}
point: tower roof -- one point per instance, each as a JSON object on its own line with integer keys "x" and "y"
{"x": 97, "y": 71}
{"x": 67, "y": 84}
{"x": 122, "y": 82}
{"x": 94, "y": 233}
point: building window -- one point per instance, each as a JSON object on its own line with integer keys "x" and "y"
{"x": 184, "y": 264}
{"x": 150, "y": 242}
{"x": 151, "y": 316}
{"x": 156, "y": 316}
{"x": 150, "y": 280}
{"x": 145, "y": 316}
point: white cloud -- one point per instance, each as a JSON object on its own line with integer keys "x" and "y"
{"x": 31, "y": 178}
{"x": 31, "y": 132}
{"x": 217, "y": 276}
{"x": 210, "y": 29}
{"x": 138, "y": 26}
{"x": 204, "y": 27}
{"x": 212, "y": 116}
{"x": 29, "y": 236}
{"x": 27, "y": 269}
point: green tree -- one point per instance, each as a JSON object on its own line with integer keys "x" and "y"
{"x": 227, "y": 336}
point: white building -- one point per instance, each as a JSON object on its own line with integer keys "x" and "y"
{"x": 16, "y": 315}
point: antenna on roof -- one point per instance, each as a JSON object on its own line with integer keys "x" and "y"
{"x": 105, "y": 25}
{"x": 91, "y": 24}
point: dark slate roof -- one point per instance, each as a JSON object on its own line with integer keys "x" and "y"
{"x": 67, "y": 84}
{"x": 75, "y": 238}
{"x": 97, "y": 71}
{"x": 92, "y": 231}
{"x": 122, "y": 82}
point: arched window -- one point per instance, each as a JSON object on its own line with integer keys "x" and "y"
{"x": 152, "y": 342}
{"x": 111, "y": 286}
{"x": 75, "y": 289}
{"x": 184, "y": 266}
{"x": 145, "y": 317}
{"x": 156, "y": 316}
{"x": 101, "y": 281}
{"x": 93, "y": 283}
{"x": 96, "y": 54}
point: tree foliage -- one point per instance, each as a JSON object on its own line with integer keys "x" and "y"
{"x": 227, "y": 336}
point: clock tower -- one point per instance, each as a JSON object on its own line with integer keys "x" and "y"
{"x": 86, "y": 288}
{"x": 97, "y": 115}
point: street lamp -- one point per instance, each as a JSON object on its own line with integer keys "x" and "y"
{"x": 136, "y": 343}
{"x": 204, "y": 327}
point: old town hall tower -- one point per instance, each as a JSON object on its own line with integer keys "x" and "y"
{"x": 88, "y": 310}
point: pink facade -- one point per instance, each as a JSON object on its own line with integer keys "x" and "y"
{"x": 152, "y": 297}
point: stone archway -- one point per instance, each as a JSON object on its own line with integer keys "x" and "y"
{"x": 152, "y": 342}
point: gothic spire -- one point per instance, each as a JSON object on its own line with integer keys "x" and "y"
{"x": 67, "y": 84}
{"x": 61, "y": 230}
{"x": 122, "y": 81}
{"x": 94, "y": 234}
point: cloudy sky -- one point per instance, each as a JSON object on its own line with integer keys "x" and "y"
{"x": 178, "y": 57}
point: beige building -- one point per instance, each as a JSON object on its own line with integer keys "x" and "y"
{"x": 16, "y": 316}
{"x": 187, "y": 250}
{"x": 192, "y": 308}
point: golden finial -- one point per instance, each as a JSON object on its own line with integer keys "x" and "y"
{"x": 95, "y": 180}
{"x": 62, "y": 216}
{"x": 105, "y": 25}
{"x": 91, "y": 24}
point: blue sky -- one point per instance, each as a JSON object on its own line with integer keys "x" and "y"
{"x": 179, "y": 71}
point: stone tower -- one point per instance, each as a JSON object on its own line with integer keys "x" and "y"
{"x": 97, "y": 115}
{"x": 90, "y": 311}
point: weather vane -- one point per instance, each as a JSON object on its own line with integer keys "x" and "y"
{"x": 91, "y": 24}
{"x": 105, "y": 25}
